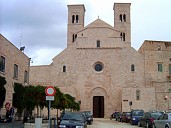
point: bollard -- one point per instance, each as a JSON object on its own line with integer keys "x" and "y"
{"x": 55, "y": 123}
{"x": 38, "y": 122}
{"x": 50, "y": 122}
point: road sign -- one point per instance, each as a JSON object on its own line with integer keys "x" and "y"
{"x": 50, "y": 91}
{"x": 51, "y": 98}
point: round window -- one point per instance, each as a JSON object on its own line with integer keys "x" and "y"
{"x": 98, "y": 67}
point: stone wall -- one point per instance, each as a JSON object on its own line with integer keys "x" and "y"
{"x": 13, "y": 56}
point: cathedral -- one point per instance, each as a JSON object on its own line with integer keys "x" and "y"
{"x": 101, "y": 69}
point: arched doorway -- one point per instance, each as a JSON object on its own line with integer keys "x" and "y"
{"x": 98, "y": 95}
{"x": 98, "y": 106}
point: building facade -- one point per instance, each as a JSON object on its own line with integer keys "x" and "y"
{"x": 99, "y": 67}
{"x": 14, "y": 66}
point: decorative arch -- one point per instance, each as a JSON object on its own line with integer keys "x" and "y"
{"x": 98, "y": 91}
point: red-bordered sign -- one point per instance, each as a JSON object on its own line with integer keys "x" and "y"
{"x": 50, "y": 91}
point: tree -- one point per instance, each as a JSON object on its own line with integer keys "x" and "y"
{"x": 18, "y": 97}
{"x": 71, "y": 103}
{"x": 59, "y": 100}
{"x": 2, "y": 90}
{"x": 34, "y": 96}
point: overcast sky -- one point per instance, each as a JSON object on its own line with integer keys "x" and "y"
{"x": 41, "y": 25}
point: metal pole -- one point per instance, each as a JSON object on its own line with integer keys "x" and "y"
{"x": 49, "y": 112}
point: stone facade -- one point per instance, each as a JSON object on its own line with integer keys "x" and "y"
{"x": 13, "y": 56}
{"x": 157, "y": 55}
{"x": 100, "y": 68}
{"x": 98, "y": 44}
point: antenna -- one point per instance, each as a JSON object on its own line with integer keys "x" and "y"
{"x": 20, "y": 36}
{"x": 21, "y": 47}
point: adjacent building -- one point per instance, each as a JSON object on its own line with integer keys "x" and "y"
{"x": 14, "y": 66}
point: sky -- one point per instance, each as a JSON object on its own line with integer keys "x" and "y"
{"x": 41, "y": 25}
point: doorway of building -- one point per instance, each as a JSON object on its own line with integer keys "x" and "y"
{"x": 98, "y": 106}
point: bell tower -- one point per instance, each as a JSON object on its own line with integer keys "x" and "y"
{"x": 122, "y": 21}
{"x": 76, "y": 15}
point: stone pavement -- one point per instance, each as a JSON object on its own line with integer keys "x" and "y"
{"x": 97, "y": 123}
{"x": 14, "y": 124}
{"x": 107, "y": 123}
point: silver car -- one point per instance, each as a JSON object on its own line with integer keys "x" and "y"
{"x": 164, "y": 121}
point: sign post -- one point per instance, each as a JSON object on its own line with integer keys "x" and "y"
{"x": 50, "y": 92}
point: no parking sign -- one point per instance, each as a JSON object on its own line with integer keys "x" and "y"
{"x": 50, "y": 92}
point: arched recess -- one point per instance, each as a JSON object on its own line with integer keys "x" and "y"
{"x": 98, "y": 96}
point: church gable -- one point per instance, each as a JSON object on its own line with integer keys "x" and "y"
{"x": 98, "y": 23}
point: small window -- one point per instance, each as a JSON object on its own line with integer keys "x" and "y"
{"x": 124, "y": 18}
{"x": 160, "y": 67}
{"x": 64, "y": 68}
{"x": 132, "y": 67}
{"x": 2, "y": 64}
{"x": 26, "y": 77}
{"x": 15, "y": 71}
{"x": 138, "y": 94}
{"x": 73, "y": 18}
{"x": 98, "y": 43}
{"x": 77, "y": 19}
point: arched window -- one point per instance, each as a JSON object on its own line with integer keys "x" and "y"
{"x": 120, "y": 17}
{"x": 77, "y": 19}
{"x": 122, "y": 35}
{"x": 124, "y": 18}
{"x": 138, "y": 94}
{"x": 73, "y": 38}
{"x": 64, "y": 68}
{"x": 73, "y": 18}
{"x": 98, "y": 43}
{"x": 132, "y": 67}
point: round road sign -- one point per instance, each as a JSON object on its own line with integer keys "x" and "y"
{"x": 50, "y": 91}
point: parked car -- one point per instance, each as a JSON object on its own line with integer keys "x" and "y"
{"x": 125, "y": 117}
{"x": 114, "y": 114}
{"x": 118, "y": 116}
{"x": 164, "y": 121}
{"x": 135, "y": 115}
{"x": 2, "y": 118}
{"x": 89, "y": 117}
{"x": 148, "y": 118}
{"x": 74, "y": 120}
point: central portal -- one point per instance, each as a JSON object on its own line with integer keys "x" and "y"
{"x": 98, "y": 106}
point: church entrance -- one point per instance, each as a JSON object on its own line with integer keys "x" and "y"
{"x": 98, "y": 106}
